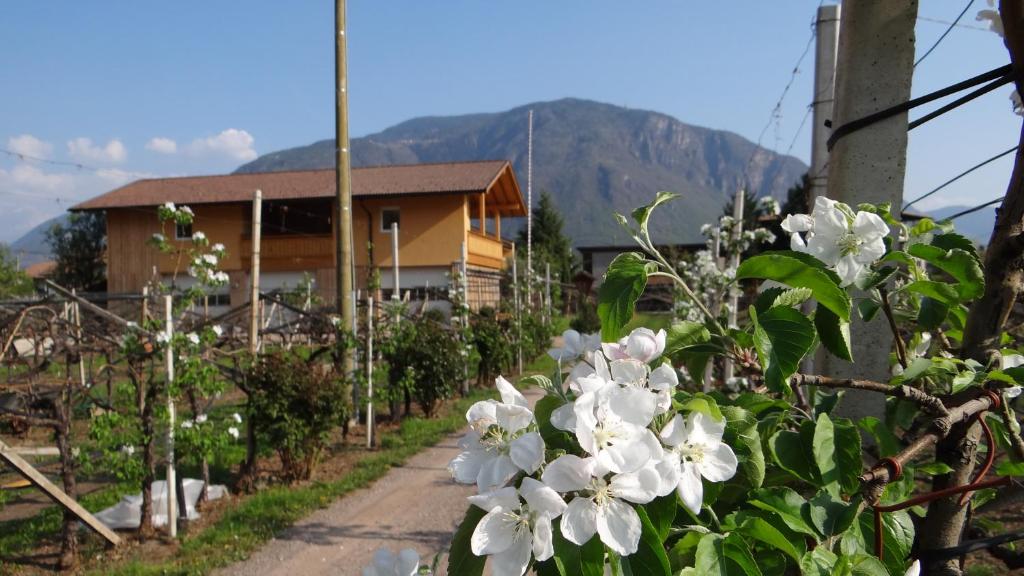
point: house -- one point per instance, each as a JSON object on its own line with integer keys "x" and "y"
{"x": 438, "y": 209}
{"x": 658, "y": 294}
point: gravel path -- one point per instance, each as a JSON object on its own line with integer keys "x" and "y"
{"x": 414, "y": 506}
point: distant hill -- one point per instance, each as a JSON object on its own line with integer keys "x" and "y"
{"x": 594, "y": 159}
{"x": 32, "y": 247}
{"x": 976, "y": 226}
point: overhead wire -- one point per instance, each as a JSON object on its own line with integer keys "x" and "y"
{"x": 944, "y": 34}
{"x": 959, "y": 176}
{"x": 975, "y": 209}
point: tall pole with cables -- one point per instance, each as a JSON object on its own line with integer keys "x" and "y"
{"x": 827, "y": 45}
{"x": 343, "y": 180}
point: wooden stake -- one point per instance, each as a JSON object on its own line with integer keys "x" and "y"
{"x": 369, "y": 372}
{"x": 172, "y": 503}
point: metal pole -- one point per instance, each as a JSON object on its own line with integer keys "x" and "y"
{"x": 343, "y": 178}
{"x": 369, "y": 372}
{"x": 529, "y": 212}
{"x": 394, "y": 260}
{"x": 172, "y": 516}
{"x": 547, "y": 292}
{"x": 254, "y": 273}
{"x": 78, "y": 336}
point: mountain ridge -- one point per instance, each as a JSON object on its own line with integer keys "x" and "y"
{"x": 593, "y": 158}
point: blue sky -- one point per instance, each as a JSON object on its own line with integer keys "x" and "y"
{"x": 133, "y": 89}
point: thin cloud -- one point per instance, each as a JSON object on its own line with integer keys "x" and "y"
{"x": 29, "y": 145}
{"x": 82, "y": 148}
{"x": 233, "y": 143}
{"x": 162, "y": 145}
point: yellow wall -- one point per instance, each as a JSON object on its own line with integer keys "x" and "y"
{"x": 431, "y": 232}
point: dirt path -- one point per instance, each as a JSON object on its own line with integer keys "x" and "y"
{"x": 414, "y": 506}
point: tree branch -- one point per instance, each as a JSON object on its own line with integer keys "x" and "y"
{"x": 928, "y": 403}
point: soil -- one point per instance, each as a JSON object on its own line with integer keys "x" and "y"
{"x": 414, "y": 506}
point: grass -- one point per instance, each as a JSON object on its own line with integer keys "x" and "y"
{"x": 652, "y": 320}
{"x": 257, "y": 518}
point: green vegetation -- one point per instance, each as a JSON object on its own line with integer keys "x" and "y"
{"x": 78, "y": 249}
{"x": 258, "y": 518}
{"x": 13, "y": 282}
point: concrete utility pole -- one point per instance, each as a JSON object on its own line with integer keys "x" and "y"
{"x": 172, "y": 513}
{"x": 729, "y": 367}
{"x": 826, "y": 47}
{"x": 254, "y": 273}
{"x": 394, "y": 260}
{"x": 343, "y": 177}
{"x": 874, "y": 68}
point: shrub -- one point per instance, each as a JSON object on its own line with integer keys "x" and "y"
{"x": 294, "y": 404}
{"x": 429, "y": 355}
{"x": 493, "y": 341}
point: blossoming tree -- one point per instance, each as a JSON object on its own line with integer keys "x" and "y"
{"x": 621, "y": 468}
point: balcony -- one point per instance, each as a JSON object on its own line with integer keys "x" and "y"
{"x": 486, "y": 251}
{"x": 286, "y": 253}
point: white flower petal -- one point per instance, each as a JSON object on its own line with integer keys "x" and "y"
{"x": 668, "y": 468}
{"x": 513, "y": 418}
{"x": 674, "y": 433}
{"x": 869, "y": 227}
{"x": 541, "y": 498}
{"x": 914, "y": 570}
{"x": 408, "y": 562}
{"x": 629, "y": 371}
{"x": 633, "y": 405}
{"x": 663, "y": 377}
{"x": 579, "y": 522}
{"x": 703, "y": 429}
{"x": 504, "y": 497}
{"x": 543, "y": 542}
{"x": 509, "y": 394}
{"x": 495, "y": 472}
{"x": 494, "y": 533}
{"x": 690, "y": 488}
{"x": 514, "y": 559}
{"x": 639, "y": 487}
{"x": 619, "y": 526}
{"x": 719, "y": 464}
{"x": 568, "y": 473}
{"x": 465, "y": 468}
{"x": 481, "y": 414}
{"x": 527, "y": 452}
{"x": 798, "y": 223}
{"x": 564, "y": 417}
{"x": 848, "y": 269}
{"x": 626, "y": 456}
{"x": 1010, "y": 361}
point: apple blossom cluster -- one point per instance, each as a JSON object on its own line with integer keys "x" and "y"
{"x": 845, "y": 241}
{"x": 630, "y": 445}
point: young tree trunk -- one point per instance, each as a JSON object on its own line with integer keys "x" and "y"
{"x": 69, "y": 530}
{"x": 193, "y": 401}
{"x": 148, "y": 457}
{"x": 1004, "y": 278}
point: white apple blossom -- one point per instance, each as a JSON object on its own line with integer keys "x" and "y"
{"x": 198, "y": 237}
{"x": 516, "y": 526}
{"x": 158, "y": 237}
{"x": 499, "y": 442}
{"x": 169, "y": 206}
{"x": 186, "y": 210}
{"x": 217, "y": 248}
{"x": 187, "y": 424}
{"x": 233, "y": 432}
{"x": 611, "y": 425}
{"x": 642, "y": 344}
{"x": 201, "y": 419}
{"x": 698, "y": 450}
{"x": 210, "y": 259}
{"x": 1010, "y": 361}
{"x": 193, "y": 338}
{"x": 387, "y": 563}
{"x": 128, "y": 450}
{"x": 161, "y": 337}
{"x": 218, "y": 330}
{"x": 602, "y": 504}
{"x": 844, "y": 241}
{"x": 575, "y": 344}
{"x": 236, "y": 417}
{"x": 914, "y": 569}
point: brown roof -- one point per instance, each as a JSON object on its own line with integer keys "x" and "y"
{"x": 41, "y": 269}
{"x": 413, "y": 179}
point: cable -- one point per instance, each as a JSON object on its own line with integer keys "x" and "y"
{"x": 975, "y": 209}
{"x": 957, "y": 177}
{"x": 948, "y": 23}
{"x": 946, "y": 33}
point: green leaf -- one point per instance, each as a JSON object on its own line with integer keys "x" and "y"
{"x": 834, "y": 333}
{"x": 790, "y": 453}
{"x": 683, "y": 334}
{"x": 845, "y": 457}
{"x": 868, "y": 309}
{"x": 940, "y": 291}
{"x": 782, "y": 337}
{"x": 719, "y": 555}
{"x": 799, "y": 270}
{"x": 958, "y": 263}
{"x": 861, "y": 565}
{"x": 897, "y": 537}
{"x": 553, "y": 437}
{"x": 766, "y": 299}
{"x": 951, "y": 240}
{"x": 461, "y": 560}
{"x": 918, "y": 366}
{"x": 573, "y": 560}
{"x": 932, "y": 314}
{"x": 761, "y": 530}
{"x": 1008, "y": 468}
{"x": 643, "y": 213}
{"x": 650, "y": 557}
{"x": 786, "y": 504}
{"x": 935, "y": 468}
{"x": 876, "y": 278}
{"x": 830, "y": 515}
{"x": 887, "y": 442}
{"x": 661, "y": 512}
{"x": 624, "y": 283}
{"x": 792, "y": 297}
{"x": 741, "y": 433}
{"x": 818, "y": 562}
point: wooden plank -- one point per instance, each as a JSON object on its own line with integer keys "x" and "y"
{"x": 34, "y": 451}
{"x": 56, "y": 494}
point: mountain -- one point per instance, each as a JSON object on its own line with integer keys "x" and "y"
{"x": 594, "y": 159}
{"x": 32, "y": 247}
{"x": 977, "y": 226}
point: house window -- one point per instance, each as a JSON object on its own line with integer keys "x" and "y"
{"x": 219, "y": 299}
{"x": 183, "y": 231}
{"x": 389, "y": 216}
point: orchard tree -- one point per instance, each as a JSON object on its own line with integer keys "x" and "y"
{"x": 13, "y": 282}
{"x": 79, "y": 248}
{"x": 550, "y": 245}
